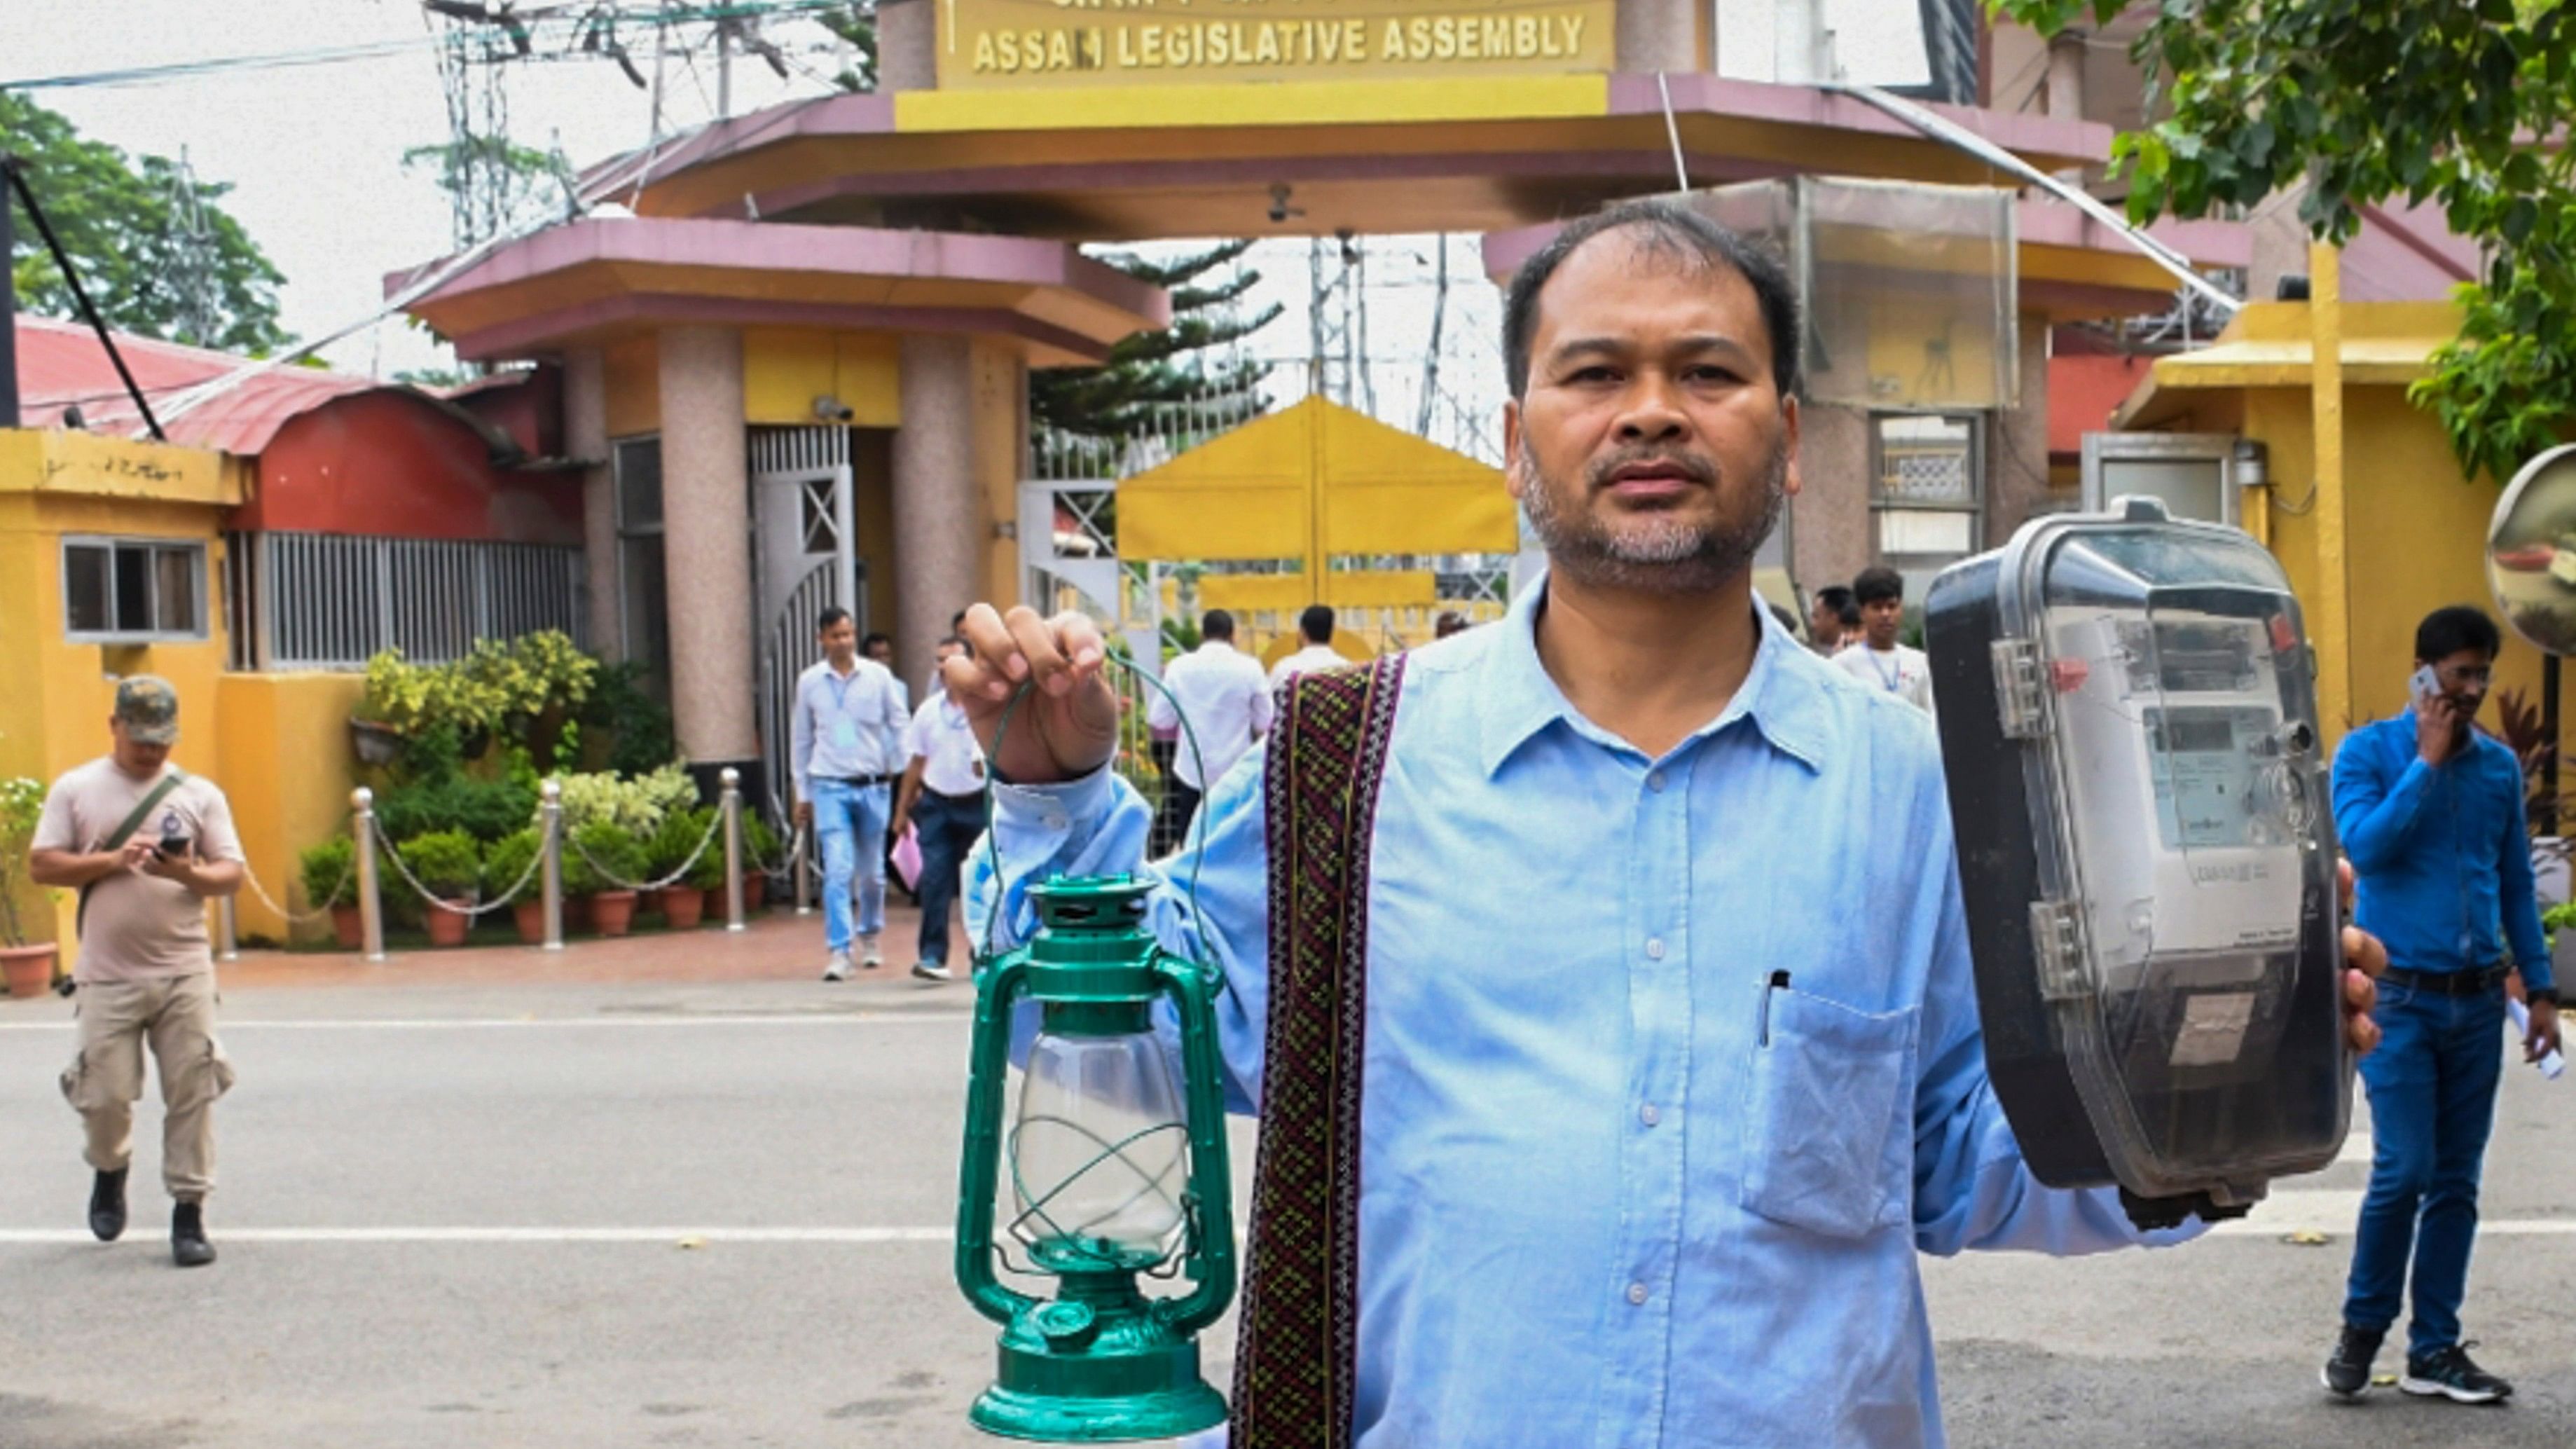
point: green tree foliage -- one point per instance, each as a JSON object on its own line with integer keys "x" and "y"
{"x": 857, "y": 27}
{"x": 138, "y": 245}
{"x": 2365, "y": 101}
{"x": 1151, "y": 369}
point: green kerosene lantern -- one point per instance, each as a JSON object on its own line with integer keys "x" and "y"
{"x": 1116, "y": 1173}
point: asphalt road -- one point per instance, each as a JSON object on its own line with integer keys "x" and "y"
{"x": 665, "y": 1215}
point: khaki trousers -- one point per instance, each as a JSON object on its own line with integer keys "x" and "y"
{"x": 177, "y": 1015}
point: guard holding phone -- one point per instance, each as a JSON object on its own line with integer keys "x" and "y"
{"x": 2431, "y": 813}
{"x": 146, "y": 846}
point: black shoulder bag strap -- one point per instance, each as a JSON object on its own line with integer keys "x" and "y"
{"x": 1296, "y": 1366}
{"x": 124, "y": 832}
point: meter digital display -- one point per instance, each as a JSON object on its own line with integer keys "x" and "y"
{"x": 2128, "y": 730}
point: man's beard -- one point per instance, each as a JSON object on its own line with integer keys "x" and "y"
{"x": 1658, "y": 553}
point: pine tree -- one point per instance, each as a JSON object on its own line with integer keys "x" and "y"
{"x": 1152, "y": 370}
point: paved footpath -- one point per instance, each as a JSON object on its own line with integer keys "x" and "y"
{"x": 676, "y": 1191}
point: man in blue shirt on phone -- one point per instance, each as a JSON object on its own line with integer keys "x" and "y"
{"x": 2431, "y": 813}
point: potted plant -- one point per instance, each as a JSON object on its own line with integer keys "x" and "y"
{"x": 27, "y": 966}
{"x": 449, "y": 866}
{"x": 707, "y": 879}
{"x": 609, "y": 854}
{"x": 506, "y": 865}
{"x": 759, "y": 853}
{"x": 330, "y": 873}
{"x": 682, "y": 903}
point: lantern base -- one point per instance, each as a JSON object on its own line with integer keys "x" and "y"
{"x": 1089, "y": 1398}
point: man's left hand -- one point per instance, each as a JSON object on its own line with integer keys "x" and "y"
{"x": 2364, "y": 958}
{"x": 2542, "y": 1039}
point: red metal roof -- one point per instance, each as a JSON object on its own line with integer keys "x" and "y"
{"x": 60, "y": 364}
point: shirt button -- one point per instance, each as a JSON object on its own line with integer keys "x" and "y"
{"x": 1655, "y": 781}
{"x": 1637, "y": 1293}
{"x": 1655, "y": 948}
{"x": 1648, "y": 1115}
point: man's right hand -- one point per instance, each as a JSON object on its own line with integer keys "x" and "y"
{"x": 804, "y": 812}
{"x": 136, "y": 854}
{"x": 2437, "y": 729}
{"x": 1067, "y": 725}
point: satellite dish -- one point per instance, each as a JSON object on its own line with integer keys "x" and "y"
{"x": 2531, "y": 552}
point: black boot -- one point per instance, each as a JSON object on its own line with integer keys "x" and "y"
{"x": 188, "y": 1245}
{"x": 107, "y": 1206}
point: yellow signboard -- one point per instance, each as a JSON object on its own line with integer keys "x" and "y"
{"x": 1026, "y": 44}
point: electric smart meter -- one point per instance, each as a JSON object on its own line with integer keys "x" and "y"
{"x": 2147, "y": 856}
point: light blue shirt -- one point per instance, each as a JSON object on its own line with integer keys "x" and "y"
{"x": 847, "y": 726}
{"x": 1618, "y": 1189}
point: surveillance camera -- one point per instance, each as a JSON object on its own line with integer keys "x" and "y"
{"x": 1280, "y": 210}
{"x": 833, "y": 410}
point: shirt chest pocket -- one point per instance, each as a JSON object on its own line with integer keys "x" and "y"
{"x": 1828, "y": 1140}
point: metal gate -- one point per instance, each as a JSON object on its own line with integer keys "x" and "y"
{"x": 805, "y": 558}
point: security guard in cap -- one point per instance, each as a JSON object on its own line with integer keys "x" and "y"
{"x": 147, "y": 846}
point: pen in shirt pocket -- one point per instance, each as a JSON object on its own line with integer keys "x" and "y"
{"x": 1779, "y": 982}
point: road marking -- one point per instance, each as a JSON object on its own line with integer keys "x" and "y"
{"x": 2334, "y": 1211}
{"x": 478, "y": 1023}
{"x": 47, "y": 1237}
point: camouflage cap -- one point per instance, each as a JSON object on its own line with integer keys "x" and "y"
{"x": 150, "y": 709}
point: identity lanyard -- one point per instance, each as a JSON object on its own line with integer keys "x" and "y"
{"x": 1893, "y": 678}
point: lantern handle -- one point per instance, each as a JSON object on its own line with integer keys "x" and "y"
{"x": 1211, "y": 1211}
{"x": 979, "y": 1167}
{"x": 992, "y": 815}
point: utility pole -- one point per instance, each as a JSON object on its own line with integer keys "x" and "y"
{"x": 8, "y": 298}
{"x": 724, "y": 70}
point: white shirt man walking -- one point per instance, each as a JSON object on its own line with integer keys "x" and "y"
{"x": 1225, "y": 698}
{"x": 1878, "y": 660}
{"x": 943, "y": 796}
{"x": 146, "y": 847}
{"x": 846, "y": 746}
{"x": 1315, "y": 627}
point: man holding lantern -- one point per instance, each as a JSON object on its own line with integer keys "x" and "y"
{"x": 1642, "y": 1105}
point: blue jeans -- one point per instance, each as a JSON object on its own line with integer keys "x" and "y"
{"x": 949, "y": 826}
{"x": 2432, "y": 1101}
{"x": 850, "y": 827}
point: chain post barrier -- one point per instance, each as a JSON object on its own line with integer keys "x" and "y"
{"x": 227, "y": 930}
{"x": 550, "y": 849}
{"x": 732, "y": 815}
{"x": 371, "y": 908}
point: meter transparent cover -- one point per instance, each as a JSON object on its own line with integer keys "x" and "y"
{"x": 2165, "y": 948}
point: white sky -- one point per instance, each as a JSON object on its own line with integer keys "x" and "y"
{"x": 315, "y": 156}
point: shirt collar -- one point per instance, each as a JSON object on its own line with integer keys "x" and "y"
{"x": 1782, "y": 694}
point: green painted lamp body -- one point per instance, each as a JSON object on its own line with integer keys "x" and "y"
{"x": 1099, "y": 1362}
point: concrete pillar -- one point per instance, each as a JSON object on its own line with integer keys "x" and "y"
{"x": 1833, "y": 538}
{"x": 706, "y": 545}
{"x": 907, "y": 46}
{"x": 939, "y": 523}
{"x": 2066, "y": 75}
{"x": 1658, "y": 35}
{"x": 2017, "y": 444}
{"x": 586, "y": 437}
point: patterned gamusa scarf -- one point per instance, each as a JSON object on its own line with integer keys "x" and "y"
{"x": 1296, "y": 1364}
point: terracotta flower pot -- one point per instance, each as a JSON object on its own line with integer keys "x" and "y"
{"x": 530, "y": 914}
{"x": 755, "y": 891}
{"x": 349, "y": 926}
{"x": 29, "y": 970}
{"x": 577, "y": 915}
{"x": 684, "y": 907}
{"x": 448, "y": 928}
{"x": 613, "y": 912}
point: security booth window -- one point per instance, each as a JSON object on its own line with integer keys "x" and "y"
{"x": 643, "y": 586}
{"x": 1925, "y": 491}
{"x": 133, "y": 590}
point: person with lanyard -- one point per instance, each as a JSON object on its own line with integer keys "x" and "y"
{"x": 844, "y": 744}
{"x": 1621, "y": 1121}
{"x": 1879, "y": 661}
{"x": 942, "y": 796}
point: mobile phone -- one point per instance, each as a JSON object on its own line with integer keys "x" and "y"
{"x": 174, "y": 846}
{"x": 2424, "y": 687}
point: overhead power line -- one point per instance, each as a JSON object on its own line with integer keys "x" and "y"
{"x": 556, "y": 25}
